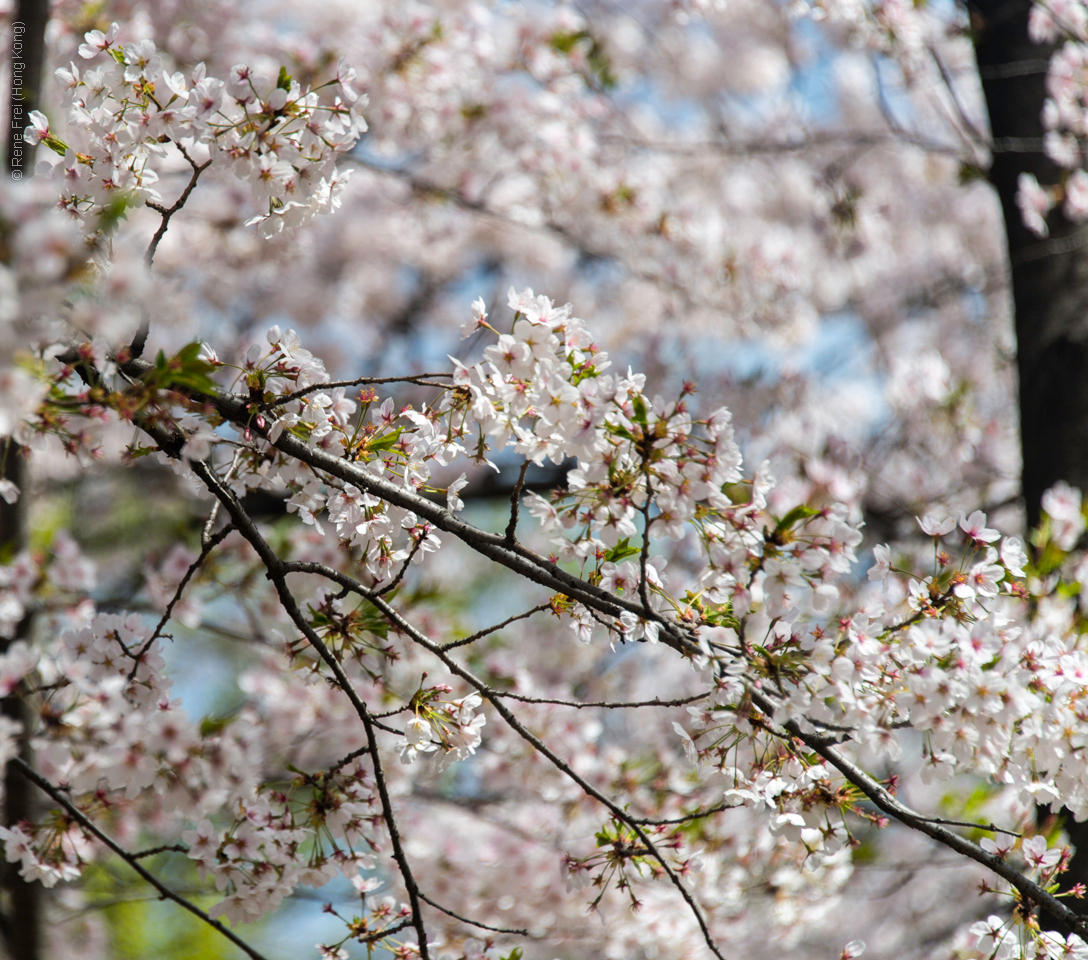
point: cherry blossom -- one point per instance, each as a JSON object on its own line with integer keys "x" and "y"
{"x": 373, "y": 724}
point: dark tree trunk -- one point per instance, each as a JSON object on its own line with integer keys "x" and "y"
{"x": 27, "y": 57}
{"x": 1049, "y": 286}
{"x": 1049, "y": 276}
{"x": 21, "y": 909}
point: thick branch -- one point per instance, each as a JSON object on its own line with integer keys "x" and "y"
{"x": 887, "y": 803}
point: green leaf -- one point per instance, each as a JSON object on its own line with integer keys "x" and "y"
{"x": 210, "y": 726}
{"x": 565, "y": 41}
{"x": 600, "y": 64}
{"x": 798, "y": 513}
{"x": 185, "y": 370}
{"x": 640, "y": 409}
{"x": 372, "y": 620}
{"x": 283, "y": 82}
{"x": 970, "y": 173}
{"x": 621, "y": 551}
{"x": 386, "y": 441}
{"x": 619, "y": 431}
{"x": 514, "y": 954}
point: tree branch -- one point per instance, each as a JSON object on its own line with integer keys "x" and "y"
{"x": 480, "y": 634}
{"x": 210, "y": 545}
{"x": 474, "y": 923}
{"x": 419, "y": 380}
{"x": 131, "y": 859}
{"x": 168, "y": 212}
{"x": 515, "y": 502}
{"x": 884, "y": 801}
{"x": 276, "y": 573}
{"x": 395, "y": 619}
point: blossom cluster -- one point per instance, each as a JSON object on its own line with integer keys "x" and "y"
{"x": 1064, "y": 114}
{"x": 452, "y": 725}
{"x": 758, "y": 595}
{"x": 757, "y": 573}
{"x": 282, "y": 140}
{"x": 114, "y": 734}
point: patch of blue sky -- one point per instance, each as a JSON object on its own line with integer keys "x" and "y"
{"x": 892, "y": 90}
{"x": 364, "y": 151}
{"x": 677, "y": 114}
{"x": 839, "y": 347}
{"x": 298, "y": 924}
{"x": 204, "y": 669}
{"x": 812, "y": 83}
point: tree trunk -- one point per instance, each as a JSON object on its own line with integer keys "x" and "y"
{"x": 1049, "y": 286}
{"x": 1049, "y": 276}
{"x": 20, "y": 914}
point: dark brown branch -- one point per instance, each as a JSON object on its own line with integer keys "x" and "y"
{"x": 88, "y": 825}
{"x": 515, "y": 502}
{"x": 395, "y": 619}
{"x": 168, "y": 212}
{"x": 474, "y": 923}
{"x": 480, "y": 634}
{"x": 165, "y": 848}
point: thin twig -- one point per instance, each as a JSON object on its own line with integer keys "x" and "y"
{"x": 79, "y": 817}
{"x": 213, "y": 515}
{"x": 212, "y": 543}
{"x": 168, "y": 212}
{"x": 515, "y": 502}
{"x": 419, "y": 380}
{"x": 377, "y": 935}
{"x": 354, "y": 755}
{"x": 396, "y": 581}
{"x": 603, "y": 704}
{"x": 165, "y": 848}
{"x": 475, "y": 923}
{"x": 480, "y": 634}
{"x": 989, "y": 827}
{"x": 647, "y": 821}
